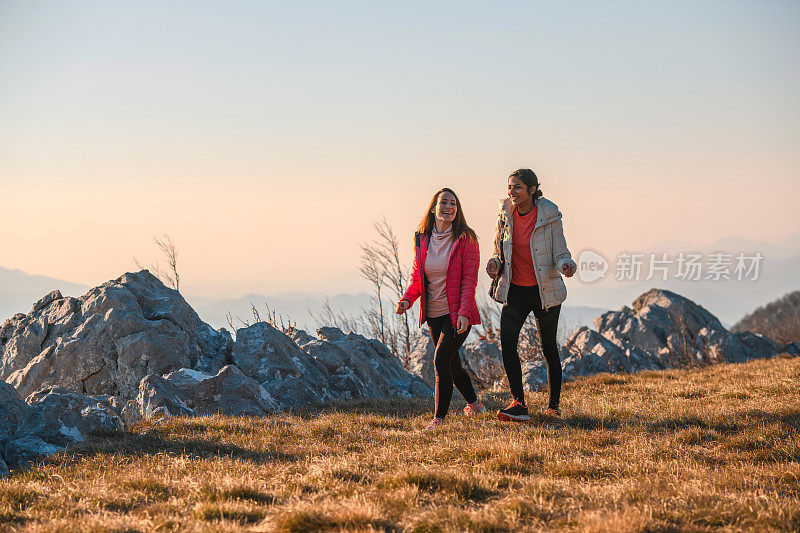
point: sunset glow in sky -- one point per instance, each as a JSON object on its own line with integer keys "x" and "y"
{"x": 265, "y": 137}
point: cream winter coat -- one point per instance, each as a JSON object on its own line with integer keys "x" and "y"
{"x": 548, "y": 251}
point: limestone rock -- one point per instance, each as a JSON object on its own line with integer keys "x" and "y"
{"x": 375, "y": 364}
{"x": 12, "y": 411}
{"x": 421, "y": 359}
{"x": 230, "y": 392}
{"x": 661, "y": 329}
{"x": 186, "y": 392}
{"x": 61, "y": 417}
{"x": 484, "y": 363}
{"x": 25, "y": 450}
{"x": 274, "y": 360}
{"x": 157, "y": 397}
{"x": 107, "y": 340}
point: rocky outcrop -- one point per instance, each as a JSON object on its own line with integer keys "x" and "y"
{"x": 133, "y": 348}
{"x": 671, "y": 331}
{"x": 661, "y": 329}
{"x": 107, "y": 340}
{"x": 357, "y": 367}
{"x": 187, "y": 392}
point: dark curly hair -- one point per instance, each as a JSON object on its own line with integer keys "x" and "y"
{"x": 529, "y": 178}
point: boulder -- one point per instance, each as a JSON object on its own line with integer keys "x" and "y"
{"x": 12, "y": 412}
{"x": 157, "y": 397}
{"x": 61, "y": 417}
{"x": 186, "y": 392}
{"x": 107, "y": 340}
{"x": 274, "y": 360}
{"x": 372, "y": 362}
{"x": 587, "y": 352}
{"x": 25, "y": 450}
{"x": 666, "y": 330}
{"x": 230, "y": 392}
{"x": 660, "y": 329}
{"x": 420, "y": 361}
{"x": 483, "y": 360}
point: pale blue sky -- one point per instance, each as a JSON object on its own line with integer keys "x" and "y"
{"x": 256, "y": 132}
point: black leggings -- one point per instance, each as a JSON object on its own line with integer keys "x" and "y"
{"x": 448, "y": 364}
{"x": 520, "y": 302}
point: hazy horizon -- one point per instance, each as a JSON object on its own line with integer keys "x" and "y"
{"x": 265, "y": 138}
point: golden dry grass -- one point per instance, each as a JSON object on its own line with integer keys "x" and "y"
{"x": 710, "y": 449}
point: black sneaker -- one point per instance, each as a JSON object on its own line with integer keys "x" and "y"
{"x": 516, "y": 412}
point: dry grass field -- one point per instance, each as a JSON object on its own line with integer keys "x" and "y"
{"x": 709, "y": 449}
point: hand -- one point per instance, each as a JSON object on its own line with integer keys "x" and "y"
{"x": 569, "y": 270}
{"x": 492, "y": 267}
{"x": 402, "y": 306}
{"x": 462, "y": 323}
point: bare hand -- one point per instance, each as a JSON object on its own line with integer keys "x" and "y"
{"x": 492, "y": 267}
{"x": 402, "y": 306}
{"x": 462, "y": 323}
{"x": 569, "y": 271}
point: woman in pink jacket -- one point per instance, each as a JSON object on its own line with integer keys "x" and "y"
{"x": 444, "y": 277}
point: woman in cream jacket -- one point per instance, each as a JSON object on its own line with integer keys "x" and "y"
{"x": 530, "y": 254}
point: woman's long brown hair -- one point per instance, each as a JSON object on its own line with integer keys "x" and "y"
{"x": 459, "y": 223}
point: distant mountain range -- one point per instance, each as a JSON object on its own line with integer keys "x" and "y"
{"x": 19, "y": 290}
{"x": 728, "y": 300}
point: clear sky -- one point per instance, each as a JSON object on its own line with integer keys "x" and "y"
{"x": 264, "y": 137}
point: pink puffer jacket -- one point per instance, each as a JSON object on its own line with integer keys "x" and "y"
{"x": 461, "y": 281}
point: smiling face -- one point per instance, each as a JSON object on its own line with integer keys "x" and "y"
{"x": 445, "y": 209}
{"x": 518, "y": 192}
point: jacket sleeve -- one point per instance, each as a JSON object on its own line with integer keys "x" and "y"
{"x": 561, "y": 255}
{"x": 412, "y": 292}
{"x": 498, "y": 239}
{"x": 470, "y": 262}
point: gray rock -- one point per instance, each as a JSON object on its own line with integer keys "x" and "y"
{"x": 107, "y": 340}
{"x": 484, "y": 363}
{"x": 186, "y": 379}
{"x": 587, "y": 352}
{"x": 232, "y": 393}
{"x": 273, "y": 359}
{"x": 158, "y": 397}
{"x": 534, "y": 375}
{"x": 661, "y": 329}
{"x": 421, "y": 359}
{"x": 25, "y": 450}
{"x": 186, "y": 392}
{"x": 12, "y": 412}
{"x": 370, "y": 362}
{"x": 61, "y": 417}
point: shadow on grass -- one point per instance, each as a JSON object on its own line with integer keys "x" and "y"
{"x": 391, "y": 407}
{"x": 150, "y": 444}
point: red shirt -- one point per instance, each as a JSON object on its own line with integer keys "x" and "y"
{"x": 522, "y": 272}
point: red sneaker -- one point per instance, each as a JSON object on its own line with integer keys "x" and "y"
{"x": 516, "y": 412}
{"x": 474, "y": 408}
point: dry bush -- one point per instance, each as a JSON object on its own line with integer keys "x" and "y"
{"x": 779, "y": 320}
